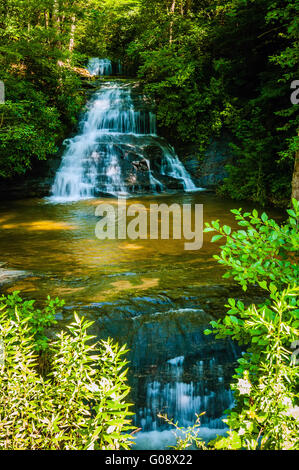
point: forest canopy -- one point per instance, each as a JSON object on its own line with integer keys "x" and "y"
{"x": 213, "y": 67}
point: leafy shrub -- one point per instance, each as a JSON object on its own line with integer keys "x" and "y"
{"x": 79, "y": 405}
{"x": 266, "y": 411}
{"x": 38, "y": 319}
{"x": 262, "y": 251}
{"x": 28, "y": 130}
{"x": 36, "y": 115}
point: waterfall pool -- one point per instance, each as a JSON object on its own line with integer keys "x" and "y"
{"x": 150, "y": 294}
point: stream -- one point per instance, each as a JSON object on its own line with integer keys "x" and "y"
{"x": 152, "y": 295}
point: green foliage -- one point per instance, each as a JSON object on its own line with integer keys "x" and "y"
{"x": 265, "y": 415}
{"x": 185, "y": 53}
{"x": 79, "y": 405}
{"x": 171, "y": 50}
{"x": 262, "y": 251}
{"x": 42, "y": 91}
{"x": 38, "y": 320}
{"x": 266, "y": 412}
{"x": 28, "y": 130}
{"x": 106, "y": 27}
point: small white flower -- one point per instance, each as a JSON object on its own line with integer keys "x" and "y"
{"x": 93, "y": 387}
{"x": 294, "y": 412}
{"x": 244, "y": 386}
{"x": 262, "y": 387}
{"x": 242, "y": 431}
{"x": 287, "y": 402}
{"x": 278, "y": 388}
{"x": 109, "y": 350}
{"x": 105, "y": 384}
{"x": 111, "y": 429}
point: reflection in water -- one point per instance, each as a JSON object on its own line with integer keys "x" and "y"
{"x": 59, "y": 240}
{"x": 150, "y": 294}
{"x": 38, "y": 225}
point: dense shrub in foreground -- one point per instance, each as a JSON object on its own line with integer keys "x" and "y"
{"x": 263, "y": 253}
{"x": 79, "y": 405}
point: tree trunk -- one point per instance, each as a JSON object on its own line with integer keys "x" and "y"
{"x": 55, "y": 21}
{"x": 295, "y": 182}
{"x": 182, "y": 7}
{"x": 72, "y": 36}
{"x": 172, "y": 10}
{"x": 46, "y": 20}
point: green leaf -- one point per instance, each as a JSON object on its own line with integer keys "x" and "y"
{"x": 216, "y": 238}
{"x": 227, "y": 230}
{"x": 207, "y": 332}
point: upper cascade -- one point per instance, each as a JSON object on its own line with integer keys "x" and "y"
{"x": 102, "y": 67}
{"x": 117, "y": 150}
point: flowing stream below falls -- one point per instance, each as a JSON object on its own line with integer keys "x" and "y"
{"x": 150, "y": 294}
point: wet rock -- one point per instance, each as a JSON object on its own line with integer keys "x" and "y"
{"x": 58, "y": 316}
{"x": 210, "y": 170}
{"x": 37, "y": 183}
{"x": 8, "y": 276}
{"x": 141, "y": 165}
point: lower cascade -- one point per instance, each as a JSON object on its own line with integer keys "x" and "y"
{"x": 117, "y": 150}
{"x": 193, "y": 382}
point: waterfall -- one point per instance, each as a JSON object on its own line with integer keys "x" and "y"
{"x": 119, "y": 67}
{"x": 117, "y": 150}
{"x": 172, "y": 166}
{"x": 98, "y": 66}
{"x": 182, "y": 397}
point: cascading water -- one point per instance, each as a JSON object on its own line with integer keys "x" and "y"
{"x": 119, "y": 67}
{"x": 184, "y": 399}
{"x": 117, "y": 150}
{"x": 98, "y": 66}
{"x": 183, "y": 376}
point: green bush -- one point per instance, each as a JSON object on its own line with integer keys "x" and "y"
{"x": 266, "y": 411}
{"x": 262, "y": 253}
{"x": 79, "y": 405}
{"x": 38, "y": 319}
{"x": 36, "y": 116}
{"x": 186, "y": 437}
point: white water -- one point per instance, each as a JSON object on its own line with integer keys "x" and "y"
{"x": 110, "y": 152}
{"x": 98, "y": 66}
{"x": 119, "y": 67}
{"x": 184, "y": 399}
{"x": 161, "y": 440}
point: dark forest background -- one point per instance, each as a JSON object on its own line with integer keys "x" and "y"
{"x": 212, "y": 67}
